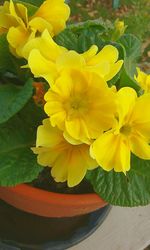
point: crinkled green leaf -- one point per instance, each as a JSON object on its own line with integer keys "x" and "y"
{"x": 81, "y": 36}
{"x": 18, "y": 164}
{"x": 132, "y": 50}
{"x": 67, "y": 39}
{"x": 13, "y": 98}
{"x": 117, "y": 189}
{"x": 6, "y": 59}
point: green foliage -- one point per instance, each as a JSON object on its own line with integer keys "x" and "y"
{"x": 9, "y": 63}
{"x": 32, "y": 2}
{"x": 118, "y": 189}
{"x": 80, "y": 37}
{"x": 17, "y": 162}
{"x": 6, "y": 59}
{"x": 13, "y": 98}
{"x": 132, "y": 52}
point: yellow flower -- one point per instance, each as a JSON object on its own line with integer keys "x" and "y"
{"x": 47, "y": 59}
{"x": 68, "y": 162}
{"x": 81, "y": 104}
{"x": 143, "y": 80}
{"x": 119, "y": 29}
{"x": 51, "y": 15}
{"x": 131, "y": 133}
{"x": 55, "y": 12}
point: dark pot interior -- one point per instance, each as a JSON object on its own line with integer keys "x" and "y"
{"x": 26, "y": 231}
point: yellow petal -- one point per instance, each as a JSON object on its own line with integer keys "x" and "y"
{"x": 108, "y": 53}
{"x": 71, "y": 140}
{"x": 60, "y": 168}
{"x": 114, "y": 69}
{"x": 141, "y": 78}
{"x": 141, "y": 115}
{"x": 13, "y": 12}
{"x": 102, "y": 68}
{"x": 77, "y": 129}
{"x": 77, "y": 166}
{"x": 55, "y": 12}
{"x": 112, "y": 152}
{"x": 63, "y": 85}
{"x": 76, "y": 173}
{"x": 70, "y": 59}
{"x": 6, "y": 21}
{"x": 126, "y": 98}
{"x": 47, "y": 136}
{"x": 140, "y": 147}
{"x": 17, "y": 36}
{"x": 22, "y": 12}
{"x": 58, "y": 120}
{"x": 44, "y": 156}
{"x": 46, "y": 45}
{"x": 40, "y": 24}
{"x": 42, "y": 67}
{"x": 90, "y": 53}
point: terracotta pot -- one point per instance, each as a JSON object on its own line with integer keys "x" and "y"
{"x": 49, "y": 204}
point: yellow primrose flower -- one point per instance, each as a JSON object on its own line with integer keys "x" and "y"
{"x": 120, "y": 26}
{"x": 51, "y": 15}
{"x": 55, "y": 12}
{"x": 143, "y": 80}
{"x": 68, "y": 162}
{"x": 119, "y": 29}
{"x": 131, "y": 133}
{"x": 42, "y": 64}
{"x": 81, "y": 104}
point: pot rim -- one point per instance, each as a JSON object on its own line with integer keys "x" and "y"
{"x": 49, "y": 204}
{"x": 56, "y": 198}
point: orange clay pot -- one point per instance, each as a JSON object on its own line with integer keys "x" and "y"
{"x": 48, "y": 204}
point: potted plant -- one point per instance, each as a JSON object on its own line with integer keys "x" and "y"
{"x": 74, "y": 118}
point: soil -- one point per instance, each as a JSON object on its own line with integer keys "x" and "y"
{"x": 45, "y": 181}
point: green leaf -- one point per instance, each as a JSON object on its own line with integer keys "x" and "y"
{"x": 117, "y": 189}
{"x": 18, "y": 164}
{"x": 81, "y": 36}
{"x": 132, "y": 51}
{"x": 6, "y": 59}
{"x": 32, "y": 2}
{"x": 9, "y": 63}
{"x": 67, "y": 39}
{"x": 13, "y": 98}
{"x": 132, "y": 46}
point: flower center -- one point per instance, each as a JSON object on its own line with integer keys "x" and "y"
{"x": 126, "y": 130}
{"x": 76, "y": 105}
